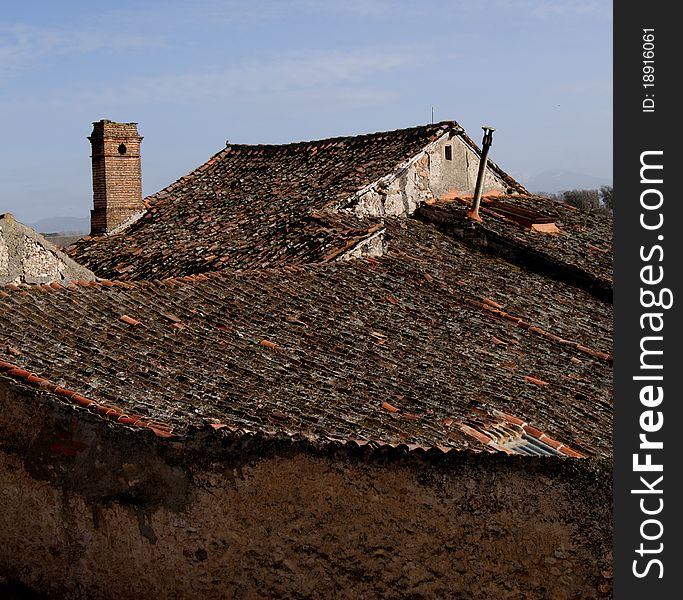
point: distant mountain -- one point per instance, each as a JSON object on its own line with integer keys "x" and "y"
{"x": 552, "y": 182}
{"x": 74, "y": 225}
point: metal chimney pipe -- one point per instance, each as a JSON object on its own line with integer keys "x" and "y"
{"x": 485, "y": 145}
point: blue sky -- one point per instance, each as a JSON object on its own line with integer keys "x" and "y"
{"x": 195, "y": 74}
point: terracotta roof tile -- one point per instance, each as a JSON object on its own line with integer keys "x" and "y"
{"x": 332, "y": 374}
{"x": 565, "y": 254}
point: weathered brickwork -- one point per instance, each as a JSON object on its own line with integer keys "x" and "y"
{"x": 116, "y": 174}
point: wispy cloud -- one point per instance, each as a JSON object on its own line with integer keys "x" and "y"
{"x": 23, "y": 46}
{"x": 291, "y": 73}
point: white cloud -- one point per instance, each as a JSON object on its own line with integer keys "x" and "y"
{"x": 291, "y": 73}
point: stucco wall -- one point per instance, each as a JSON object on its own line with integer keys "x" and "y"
{"x": 27, "y": 257}
{"x": 93, "y": 510}
{"x": 430, "y": 176}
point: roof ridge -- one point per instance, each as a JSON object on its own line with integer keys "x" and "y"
{"x": 428, "y": 126}
{"x": 162, "y": 193}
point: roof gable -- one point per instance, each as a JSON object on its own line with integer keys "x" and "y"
{"x": 27, "y": 257}
{"x": 255, "y": 206}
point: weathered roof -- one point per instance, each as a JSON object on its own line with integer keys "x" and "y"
{"x": 436, "y": 344}
{"x": 578, "y": 249}
{"x": 260, "y": 206}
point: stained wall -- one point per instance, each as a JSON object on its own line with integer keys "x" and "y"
{"x": 92, "y": 509}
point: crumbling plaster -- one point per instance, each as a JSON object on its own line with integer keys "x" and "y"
{"x": 27, "y": 257}
{"x": 425, "y": 177}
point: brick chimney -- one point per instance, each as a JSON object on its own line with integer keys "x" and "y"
{"x": 116, "y": 174}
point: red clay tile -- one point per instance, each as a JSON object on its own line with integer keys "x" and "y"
{"x": 512, "y": 318}
{"x": 550, "y": 441}
{"x": 492, "y": 303}
{"x": 532, "y": 431}
{"x": 129, "y": 320}
{"x": 82, "y": 400}
{"x": 535, "y": 380}
{"x": 569, "y": 452}
{"x": 511, "y": 419}
{"x": 484, "y": 439}
{"x": 21, "y": 373}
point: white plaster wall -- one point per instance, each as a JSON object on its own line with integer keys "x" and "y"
{"x": 426, "y": 177}
{"x": 459, "y": 175}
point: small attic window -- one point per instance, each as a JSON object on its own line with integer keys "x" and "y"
{"x": 448, "y": 152}
{"x": 122, "y": 149}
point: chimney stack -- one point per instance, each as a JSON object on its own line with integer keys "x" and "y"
{"x": 486, "y": 144}
{"x": 116, "y": 174}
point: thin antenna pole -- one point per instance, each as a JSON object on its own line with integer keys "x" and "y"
{"x": 432, "y": 115}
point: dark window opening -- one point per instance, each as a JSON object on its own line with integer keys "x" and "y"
{"x": 122, "y": 148}
{"x": 449, "y": 153}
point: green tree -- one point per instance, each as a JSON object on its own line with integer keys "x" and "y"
{"x": 606, "y": 196}
{"x": 586, "y": 200}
